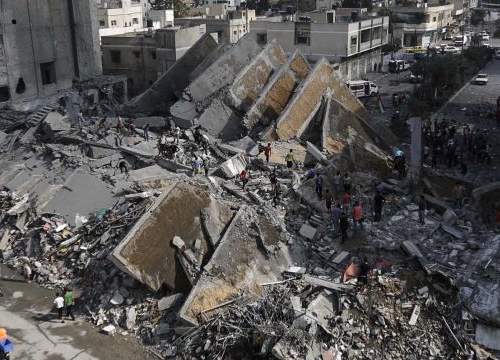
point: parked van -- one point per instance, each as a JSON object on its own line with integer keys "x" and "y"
{"x": 362, "y": 88}
{"x": 398, "y": 65}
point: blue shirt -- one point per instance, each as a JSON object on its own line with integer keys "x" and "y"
{"x": 336, "y": 213}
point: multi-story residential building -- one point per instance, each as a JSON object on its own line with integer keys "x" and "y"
{"x": 122, "y": 13}
{"x": 143, "y": 57}
{"x": 230, "y": 27}
{"x": 44, "y": 46}
{"x": 421, "y": 26}
{"x": 353, "y": 41}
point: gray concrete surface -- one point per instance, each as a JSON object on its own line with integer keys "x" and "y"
{"x": 25, "y": 311}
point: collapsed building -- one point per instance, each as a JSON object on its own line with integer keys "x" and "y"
{"x": 197, "y": 266}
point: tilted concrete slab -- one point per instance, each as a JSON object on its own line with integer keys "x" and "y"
{"x": 279, "y": 90}
{"x": 146, "y": 253}
{"x": 221, "y": 121}
{"x": 239, "y": 264}
{"x": 224, "y": 71}
{"x": 209, "y": 60}
{"x": 302, "y": 107}
{"x": 252, "y": 79}
{"x": 171, "y": 84}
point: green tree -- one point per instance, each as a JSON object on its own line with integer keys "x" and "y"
{"x": 477, "y": 16}
{"x": 180, "y": 8}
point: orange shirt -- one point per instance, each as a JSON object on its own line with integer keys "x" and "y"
{"x": 357, "y": 213}
{"x": 346, "y": 198}
{"x": 3, "y": 334}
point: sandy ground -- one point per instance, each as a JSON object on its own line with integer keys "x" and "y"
{"x": 25, "y": 311}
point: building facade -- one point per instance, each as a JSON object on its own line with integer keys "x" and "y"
{"x": 44, "y": 46}
{"x": 142, "y": 58}
{"x": 422, "y": 26}
{"x": 230, "y": 27}
{"x": 353, "y": 42}
{"x": 121, "y": 14}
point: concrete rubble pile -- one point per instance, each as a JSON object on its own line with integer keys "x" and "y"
{"x": 146, "y": 217}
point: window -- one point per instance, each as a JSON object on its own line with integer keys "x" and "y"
{"x": 135, "y": 21}
{"x": 434, "y": 19}
{"x": 48, "y": 71}
{"x": 4, "y": 93}
{"x": 354, "y": 41}
{"x": 102, "y": 23}
{"x": 262, "y": 38}
{"x": 137, "y": 54}
{"x": 235, "y": 32}
{"x": 116, "y": 56}
{"x": 153, "y": 55}
{"x": 113, "y": 22}
{"x": 329, "y": 18}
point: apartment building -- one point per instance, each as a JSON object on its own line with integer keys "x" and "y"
{"x": 421, "y": 26}
{"x": 143, "y": 57}
{"x": 351, "y": 37}
{"x": 121, "y": 13}
{"x": 229, "y": 27}
{"x": 44, "y": 46}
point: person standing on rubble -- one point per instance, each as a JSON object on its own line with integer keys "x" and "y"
{"x": 421, "y": 210}
{"x": 344, "y": 225}
{"x": 328, "y": 201}
{"x": 458, "y": 193}
{"x": 273, "y": 178}
{"x": 146, "y": 132}
{"x": 336, "y": 212}
{"x": 123, "y": 167}
{"x": 119, "y": 125}
{"x": 204, "y": 143}
{"x": 319, "y": 186}
{"x": 68, "y": 303}
{"x": 267, "y": 152}
{"x": 206, "y": 166}
{"x": 357, "y": 216}
{"x": 378, "y": 202}
{"x": 196, "y": 166}
{"x": 347, "y": 183}
{"x": 162, "y": 144}
{"x": 277, "y": 194}
{"x": 337, "y": 185}
{"x": 244, "y": 178}
{"x": 290, "y": 159}
{"x": 59, "y": 303}
{"x": 177, "y": 134}
{"x": 346, "y": 201}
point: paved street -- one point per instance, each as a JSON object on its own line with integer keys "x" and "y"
{"x": 37, "y": 335}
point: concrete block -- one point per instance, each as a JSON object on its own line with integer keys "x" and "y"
{"x": 221, "y": 121}
{"x": 315, "y": 152}
{"x": 307, "y": 231}
{"x": 56, "y": 122}
{"x": 155, "y": 122}
{"x": 340, "y": 258}
{"x": 450, "y": 217}
{"x": 169, "y": 301}
{"x": 488, "y": 336}
{"x": 452, "y": 231}
{"x": 3, "y": 138}
{"x": 234, "y": 166}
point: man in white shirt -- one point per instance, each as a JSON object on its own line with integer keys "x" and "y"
{"x": 59, "y": 303}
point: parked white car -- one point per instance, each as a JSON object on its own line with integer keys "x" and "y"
{"x": 451, "y": 50}
{"x": 481, "y": 79}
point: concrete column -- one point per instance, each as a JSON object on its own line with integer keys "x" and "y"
{"x": 416, "y": 146}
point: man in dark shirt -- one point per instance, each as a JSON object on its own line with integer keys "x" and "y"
{"x": 378, "y": 202}
{"x": 344, "y": 225}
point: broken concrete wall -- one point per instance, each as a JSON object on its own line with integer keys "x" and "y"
{"x": 278, "y": 91}
{"x": 221, "y": 121}
{"x": 243, "y": 260}
{"x": 252, "y": 79}
{"x": 209, "y": 60}
{"x": 223, "y": 71}
{"x": 297, "y": 114}
{"x": 171, "y": 84}
{"x": 147, "y": 254}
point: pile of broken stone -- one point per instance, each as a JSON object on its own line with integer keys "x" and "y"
{"x": 431, "y": 295}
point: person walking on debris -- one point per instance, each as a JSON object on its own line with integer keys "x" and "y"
{"x": 337, "y": 184}
{"x": 357, "y": 216}
{"x": 206, "y": 166}
{"x": 244, "y": 178}
{"x": 196, "y": 166}
{"x": 59, "y": 303}
{"x": 277, "y": 194}
{"x": 68, "y": 302}
{"x": 267, "y": 152}
{"x": 344, "y": 225}
{"x": 204, "y": 143}
{"x": 310, "y": 173}
{"x": 346, "y": 201}
{"x": 197, "y": 135}
{"x": 378, "y": 202}
{"x": 421, "y": 210}
{"x": 364, "y": 273}
{"x": 273, "y": 178}
{"x": 336, "y": 212}
{"x": 347, "y": 183}
{"x": 328, "y": 201}
{"x": 27, "y": 271}
{"x": 319, "y": 186}
{"x": 146, "y": 132}
{"x": 119, "y": 125}
{"x": 162, "y": 144}
{"x": 290, "y": 159}
{"x": 123, "y": 167}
